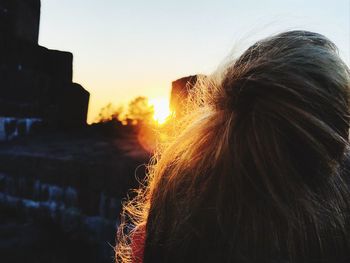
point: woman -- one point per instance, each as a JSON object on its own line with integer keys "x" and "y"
{"x": 258, "y": 173}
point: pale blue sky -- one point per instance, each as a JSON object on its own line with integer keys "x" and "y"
{"x": 123, "y": 49}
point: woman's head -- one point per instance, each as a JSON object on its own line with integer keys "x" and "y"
{"x": 257, "y": 171}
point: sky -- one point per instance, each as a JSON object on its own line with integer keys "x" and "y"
{"x": 123, "y": 49}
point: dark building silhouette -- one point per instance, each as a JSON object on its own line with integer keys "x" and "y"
{"x": 35, "y": 82}
{"x": 179, "y": 93}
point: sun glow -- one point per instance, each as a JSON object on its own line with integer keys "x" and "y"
{"x": 161, "y": 109}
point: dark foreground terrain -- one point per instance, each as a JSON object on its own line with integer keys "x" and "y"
{"x": 61, "y": 194}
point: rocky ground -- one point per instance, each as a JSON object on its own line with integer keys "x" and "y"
{"x": 23, "y": 240}
{"x": 61, "y": 193}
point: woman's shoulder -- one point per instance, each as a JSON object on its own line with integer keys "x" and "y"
{"x": 138, "y": 243}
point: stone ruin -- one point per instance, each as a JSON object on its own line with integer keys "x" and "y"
{"x": 36, "y": 82}
{"x": 179, "y": 93}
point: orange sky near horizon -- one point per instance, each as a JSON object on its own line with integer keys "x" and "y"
{"x": 124, "y": 49}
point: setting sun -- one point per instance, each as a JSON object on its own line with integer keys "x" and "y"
{"x": 161, "y": 109}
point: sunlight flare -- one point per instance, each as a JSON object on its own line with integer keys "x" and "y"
{"x": 161, "y": 109}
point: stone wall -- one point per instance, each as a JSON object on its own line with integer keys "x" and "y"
{"x": 179, "y": 93}
{"x": 76, "y": 183}
{"x": 36, "y": 82}
{"x": 20, "y": 19}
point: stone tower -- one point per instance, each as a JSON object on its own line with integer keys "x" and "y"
{"x": 35, "y": 82}
{"x": 179, "y": 93}
{"x": 20, "y": 19}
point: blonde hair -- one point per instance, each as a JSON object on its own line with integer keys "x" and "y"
{"x": 257, "y": 171}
